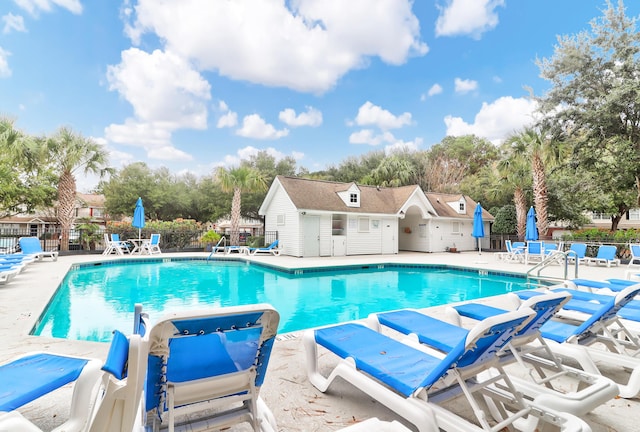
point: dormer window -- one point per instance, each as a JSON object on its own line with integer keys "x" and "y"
{"x": 353, "y": 198}
{"x": 462, "y": 206}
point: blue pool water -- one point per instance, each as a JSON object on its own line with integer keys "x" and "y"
{"x": 93, "y": 300}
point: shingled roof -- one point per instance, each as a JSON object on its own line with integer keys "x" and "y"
{"x": 439, "y": 202}
{"x": 323, "y": 195}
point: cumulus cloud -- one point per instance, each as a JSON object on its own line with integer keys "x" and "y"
{"x": 373, "y": 115}
{"x": 246, "y": 152}
{"x": 13, "y": 23}
{"x": 496, "y": 120}
{"x": 465, "y": 86}
{"x": 166, "y": 94}
{"x": 5, "y": 70}
{"x": 312, "y": 117}
{"x": 254, "y": 126}
{"x": 34, "y": 7}
{"x": 403, "y": 146}
{"x": 228, "y": 120}
{"x": 369, "y": 137}
{"x": 467, "y": 17}
{"x": 434, "y": 90}
{"x": 315, "y": 44}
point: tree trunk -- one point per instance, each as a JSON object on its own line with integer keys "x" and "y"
{"x": 540, "y": 195}
{"x": 235, "y": 217}
{"x": 520, "y": 202}
{"x": 66, "y": 206}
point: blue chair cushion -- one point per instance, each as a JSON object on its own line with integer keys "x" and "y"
{"x": 116, "y": 363}
{"x": 30, "y": 377}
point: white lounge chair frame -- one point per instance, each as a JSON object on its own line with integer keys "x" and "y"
{"x": 423, "y": 408}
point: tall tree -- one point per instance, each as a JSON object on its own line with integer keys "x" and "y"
{"x": 595, "y": 77}
{"x": 516, "y": 174}
{"x": 26, "y": 183}
{"x": 543, "y": 152}
{"x": 70, "y": 153}
{"x": 239, "y": 180}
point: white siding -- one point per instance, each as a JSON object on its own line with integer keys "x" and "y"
{"x": 288, "y": 234}
{"x": 363, "y": 243}
{"x": 325, "y": 235}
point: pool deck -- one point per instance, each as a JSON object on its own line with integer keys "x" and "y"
{"x": 296, "y": 404}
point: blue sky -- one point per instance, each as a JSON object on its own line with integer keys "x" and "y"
{"x": 195, "y": 84}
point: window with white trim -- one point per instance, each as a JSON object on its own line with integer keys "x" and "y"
{"x": 634, "y": 214}
{"x": 455, "y": 227}
{"x": 280, "y": 219}
{"x": 363, "y": 224}
{"x": 599, "y": 216}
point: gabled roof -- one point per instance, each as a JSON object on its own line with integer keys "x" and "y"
{"x": 321, "y": 195}
{"x": 439, "y": 202}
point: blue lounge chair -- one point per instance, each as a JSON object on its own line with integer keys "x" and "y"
{"x": 210, "y": 359}
{"x": 153, "y": 245}
{"x": 548, "y": 382}
{"x": 634, "y": 249}
{"x": 105, "y": 399}
{"x": 31, "y": 246}
{"x": 577, "y": 251}
{"x": 414, "y": 383}
{"x": 606, "y": 255}
{"x": 271, "y": 249}
{"x": 534, "y": 252}
{"x": 597, "y": 337}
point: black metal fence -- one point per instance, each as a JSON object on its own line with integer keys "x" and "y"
{"x": 93, "y": 242}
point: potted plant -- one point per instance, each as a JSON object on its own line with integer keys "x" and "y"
{"x": 210, "y": 238}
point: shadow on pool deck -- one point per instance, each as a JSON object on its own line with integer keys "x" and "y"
{"x": 297, "y": 405}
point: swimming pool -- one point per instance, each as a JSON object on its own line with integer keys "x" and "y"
{"x": 96, "y": 298}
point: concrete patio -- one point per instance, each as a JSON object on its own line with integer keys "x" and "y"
{"x": 296, "y": 404}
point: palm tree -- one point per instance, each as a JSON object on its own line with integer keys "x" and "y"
{"x": 239, "y": 180}
{"x": 542, "y": 152}
{"x": 515, "y": 172}
{"x": 70, "y": 153}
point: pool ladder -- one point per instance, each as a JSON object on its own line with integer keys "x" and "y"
{"x": 222, "y": 243}
{"x": 556, "y": 257}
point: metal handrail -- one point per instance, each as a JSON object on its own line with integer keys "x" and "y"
{"x": 214, "y": 249}
{"x": 554, "y": 257}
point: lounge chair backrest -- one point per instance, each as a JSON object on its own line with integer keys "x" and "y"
{"x": 534, "y": 247}
{"x": 191, "y": 348}
{"x": 580, "y": 249}
{"x": 635, "y": 250}
{"x": 508, "y": 245}
{"x": 273, "y": 245}
{"x": 155, "y": 239}
{"x": 115, "y": 237}
{"x": 488, "y": 337}
{"x": 517, "y": 245}
{"x": 607, "y": 252}
{"x": 545, "y": 307}
{"x": 30, "y": 245}
{"x": 550, "y": 247}
{"x": 609, "y": 309}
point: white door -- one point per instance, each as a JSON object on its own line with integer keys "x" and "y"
{"x": 311, "y": 226}
{"x": 389, "y": 236}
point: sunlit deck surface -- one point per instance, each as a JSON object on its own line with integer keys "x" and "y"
{"x": 296, "y": 404}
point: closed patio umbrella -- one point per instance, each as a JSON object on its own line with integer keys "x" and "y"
{"x": 531, "y": 232}
{"x": 478, "y": 227}
{"x": 138, "y": 217}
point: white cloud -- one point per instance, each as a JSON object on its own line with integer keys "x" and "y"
{"x": 246, "y": 152}
{"x": 166, "y": 94}
{"x": 254, "y": 126}
{"x": 312, "y": 117}
{"x": 467, "y": 17}
{"x": 402, "y": 146}
{"x": 5, "y": 70}
{"x": 370, "y": 114}
{"x": 369, "y": 137}
{"x": 496, "y": 120}
{"x": 316, "y": 42}
{"x": 465, "y": 86}
{"x": 154, "y": 138}
{"x": 36, "y": 6}
{"x": 435, "y": 90}
{"x": 13, "y": 22}
{"x": 161, "y": 87}
{"x": 228, "y": 120}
